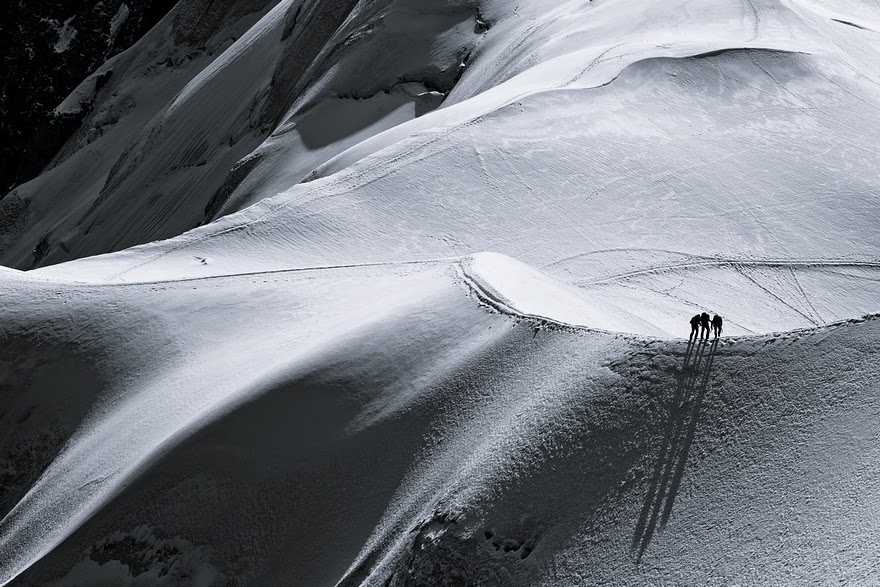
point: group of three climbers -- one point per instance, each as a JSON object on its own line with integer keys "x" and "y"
{"x": 700, "y": 326}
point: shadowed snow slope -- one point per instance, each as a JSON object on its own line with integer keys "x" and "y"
{"x": 387, "y": 425}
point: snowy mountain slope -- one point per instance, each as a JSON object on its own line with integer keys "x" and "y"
{"x": 159, "y": 171}
{"x": 552, "y": 47}
{"x": 328, "y": 383}
{"x": 47, "y": 48}
{"x": 701, "y": 139}
{"x": 387, "y": 423}
{"x": 127, "y": 95}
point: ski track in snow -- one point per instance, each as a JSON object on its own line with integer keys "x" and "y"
{"x": 733, "y": 263}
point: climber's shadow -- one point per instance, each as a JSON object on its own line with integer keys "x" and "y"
{"x": 683, "y": 413}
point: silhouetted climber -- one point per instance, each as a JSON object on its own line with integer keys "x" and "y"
{"x": 695, "y": 327}
{"x": 716, "y": 325}
{"x": 704, "y": 325}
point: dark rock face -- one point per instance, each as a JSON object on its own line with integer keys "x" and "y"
{"x": 46, "y": 50}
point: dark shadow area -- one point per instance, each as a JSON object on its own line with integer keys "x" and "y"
{"x": 277, "y": 471}
{"x": 852, "y": 24}
{"x": 46, "y": 390}
{"x": 46, "y": 50}
{"x": 684, "y": 414}
{"x": 283, "y": 472}
{"x": 333, "y": 121}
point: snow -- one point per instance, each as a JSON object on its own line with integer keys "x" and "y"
{"x": 366, "y": 399}
{"x": 516, "y": 287}
{"x": 119, "y": 19}
{"x": 65, "y": 35}
{"x": 391, "y": 320}
{"x": 141, "y": 82}
{"x": 664, "y": 161}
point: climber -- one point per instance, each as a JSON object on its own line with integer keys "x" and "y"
{"x": 695, "y": 327}
{"x": 704, "y": 325}
{"x": 716, "y": 325}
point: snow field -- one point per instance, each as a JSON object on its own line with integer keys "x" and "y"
{"x": 398, "y": 429}
{"x": 660, "y": 177}
{"x": 332, "y": 382}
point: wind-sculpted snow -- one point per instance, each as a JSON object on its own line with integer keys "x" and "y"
{"x": 401, "y": 423}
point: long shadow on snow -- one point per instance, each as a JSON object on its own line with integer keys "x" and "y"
{"x": 681, "y": 426}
